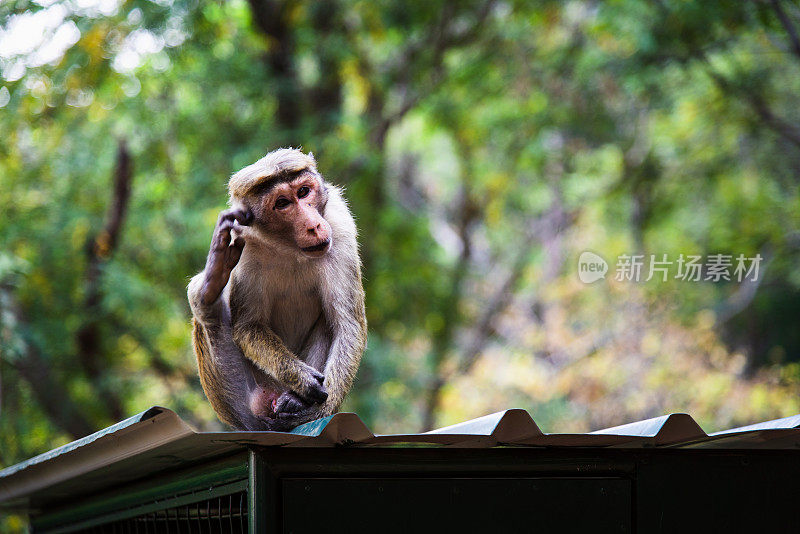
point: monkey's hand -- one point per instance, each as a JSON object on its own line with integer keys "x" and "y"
{"x": 289, "y": 403}
{"x": 224, "y": 253}
{"x": 292, "y": 411}
{"x": 311, "y": 388}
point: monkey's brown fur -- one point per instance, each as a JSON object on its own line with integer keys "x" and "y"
{"x": 279, "y": 324}
{"x": 209, "y": 375}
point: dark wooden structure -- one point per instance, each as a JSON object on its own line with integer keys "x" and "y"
{"x": 499, "y": 473}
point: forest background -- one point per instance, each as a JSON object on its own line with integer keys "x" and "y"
{"x": 483, "y": 146}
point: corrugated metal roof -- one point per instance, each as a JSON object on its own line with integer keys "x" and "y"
{"x": 158, "y": 439}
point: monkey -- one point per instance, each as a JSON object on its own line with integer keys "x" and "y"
{"x": 278, "y": 318}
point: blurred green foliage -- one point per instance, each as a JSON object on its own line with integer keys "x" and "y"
{"x": 483, "y": 146}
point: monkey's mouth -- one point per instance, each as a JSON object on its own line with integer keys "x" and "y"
{"x": 317, "y": 248}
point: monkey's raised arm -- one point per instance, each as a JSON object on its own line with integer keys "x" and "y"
{"x": 206, "y": 287}
{"x": 206, "y": 314}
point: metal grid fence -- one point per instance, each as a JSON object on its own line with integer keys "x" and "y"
{"x": 224, "y": 514}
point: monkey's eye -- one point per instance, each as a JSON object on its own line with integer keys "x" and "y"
{"x": 303, "y": 191}
{"x": 281, "y": 203}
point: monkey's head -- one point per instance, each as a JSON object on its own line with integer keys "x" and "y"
{"x": 286, "y": 197}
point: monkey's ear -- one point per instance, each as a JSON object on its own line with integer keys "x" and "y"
{"x": 311, "y": 155}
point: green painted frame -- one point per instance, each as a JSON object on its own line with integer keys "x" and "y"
{"x": 180, "y": 487}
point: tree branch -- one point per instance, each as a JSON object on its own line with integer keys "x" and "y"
{"x": 548, "y": 228}
{"x": 468, "y": 212}
{"x": 484, "y": 328}
{"x": 442, "y": 38}
{"x": 787, "y": 130}
{"x": 782, "y": 127}
{"x": 99, "y": 249}
{"x": 158, "y": 362}
{"x": 745, "y": 292}
{"x": 325, "y": 97}
{"x": 37, "y": 370}
{"x": 783, "y": 17}
{"x": 271, "y": 18}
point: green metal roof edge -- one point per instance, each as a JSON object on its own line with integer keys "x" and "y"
{"x": 312, "y": 428}
{"x": 513, "y": 426}
{"x": 49, "y": 455}
{"x": 784, "y": 423}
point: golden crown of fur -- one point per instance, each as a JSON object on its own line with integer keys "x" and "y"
{"x": 279, "y": 161}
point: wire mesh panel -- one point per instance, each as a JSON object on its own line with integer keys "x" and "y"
{"x": 225, "y": 514}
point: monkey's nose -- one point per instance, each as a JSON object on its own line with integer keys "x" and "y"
{"x": 313, "y": 229}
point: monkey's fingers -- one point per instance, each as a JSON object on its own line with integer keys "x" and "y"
{"x": 243, "y": 216}
{"x": 289, "y": 403}
{"x": 222, "y": 237}
{"x": 247, "y": 219}
{"x": 234, "y": 252}
{"x": 315, "y": 393}
{"x": 319, "y": 377}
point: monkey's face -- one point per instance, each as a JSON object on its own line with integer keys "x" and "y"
{"x": 291, "y": 212}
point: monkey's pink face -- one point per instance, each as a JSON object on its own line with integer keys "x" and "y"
{"x": 292, "y": 210}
